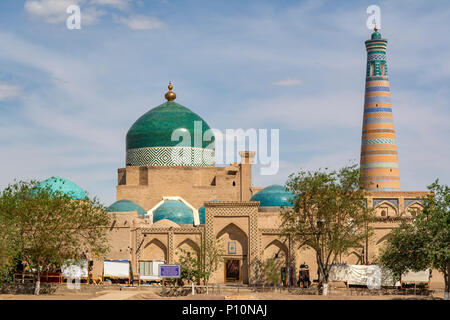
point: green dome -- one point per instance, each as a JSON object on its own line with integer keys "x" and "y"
{"x": 64, "y": 186}
{"x": 154, "y": 128}
{"x": 376, "y": 35}
{"x": 126, "y": 205}
{"x": 175, "y": 211}
{"x": 274, "y": 196}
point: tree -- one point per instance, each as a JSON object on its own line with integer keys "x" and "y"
{"x": 425, "y": 242}
{"x": 271, "y": 271}
{"x": 201, "y": 267}
{"x": 49, "y": 227}
{"x": 8, "y": 248}
{"x": 190, "y": 265}
{"x": 212, "y": 253}
{"x": 330, "y": 215}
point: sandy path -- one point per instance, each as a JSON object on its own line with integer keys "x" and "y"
{"x": 115, "y": 295}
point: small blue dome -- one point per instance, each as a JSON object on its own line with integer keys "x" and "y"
{"x": 274, "y": 196}
{"x": 126, "y": 205}
{"x": 175, "y": 211}
{"x": 64, "y": 186}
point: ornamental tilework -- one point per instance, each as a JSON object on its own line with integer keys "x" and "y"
{"x": 376, "y": 56}
{"x": 170, "y": 156}
{"x": 378, "y": 141}
{"x": 411, "y": 201}
{"x": 392, "y": 201}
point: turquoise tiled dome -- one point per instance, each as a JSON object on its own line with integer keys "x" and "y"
{"x": 67, "y": 187}
{"x": 126, "y": 205}
{"x": 274, "y": 196}
{"x": 154, "y": 128}
{"x": 175, "y": 211}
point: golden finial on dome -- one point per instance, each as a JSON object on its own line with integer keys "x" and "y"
{"x": 170, "y": 96}
{"x": 375, "y": 29}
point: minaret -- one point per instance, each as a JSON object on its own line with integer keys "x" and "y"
{"x": 379, "y": 160}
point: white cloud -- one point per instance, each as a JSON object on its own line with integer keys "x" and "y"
{"x": 8, "y": 91}
{"x": 288, "y": 82}
{"x": 91, "y": 15}
{"x": 51, "y": 11}
{"x": 141, "y": 22}
{"x": 119, "y": 4}
{"x": 55, "y": 11}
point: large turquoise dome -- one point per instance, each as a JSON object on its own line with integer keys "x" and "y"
{"x": 175, "y": 211}
{"x": 126, "y": 205}
{"x": 149, "y": 140}
{"x": 274, "y": 196}
{"x": 64, "y": 186}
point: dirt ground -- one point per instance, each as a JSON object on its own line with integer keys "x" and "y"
{"x": 153, "y": 293}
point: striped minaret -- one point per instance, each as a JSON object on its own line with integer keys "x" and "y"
{"x": 379, "y": 161}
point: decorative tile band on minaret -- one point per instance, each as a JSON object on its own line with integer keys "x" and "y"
{"x": 379, "y": 159}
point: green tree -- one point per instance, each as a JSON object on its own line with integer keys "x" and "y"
{"x": 271, "y": 271}
{"x": 201, "y": 267}
{"x": 190, "y": 265}
{"x": 48, "y": 227}
{"x": 425, "y": 242}
{"x": 212, "y": 253}
{"x": 8, "y": 248}
{"x": 330, "y": 215}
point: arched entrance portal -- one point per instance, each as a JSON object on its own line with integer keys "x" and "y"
{"x": 235, "y": 243}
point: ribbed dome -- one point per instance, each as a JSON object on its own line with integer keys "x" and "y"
{"x": 175, "y": 211}
{"x": 149, "y": 140}
{"x": 274, "y": 196}
{"x": 126, "y": 205}
{"x": 64, "y": 186}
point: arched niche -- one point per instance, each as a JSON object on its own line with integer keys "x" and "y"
{"x": 189, "y": 246}
{"x": 233, "y": 233}
{"x": 386, "y": 209}
{"x": 413, "y": 208}
{"x": 154, "y": 250}
{"x": 276, "y": 250}
{"x": 354, "y": 257}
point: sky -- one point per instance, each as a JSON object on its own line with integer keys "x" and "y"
{"x": 68, "y": 97}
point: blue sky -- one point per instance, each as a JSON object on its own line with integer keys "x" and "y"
{"x": 68, "y": 97}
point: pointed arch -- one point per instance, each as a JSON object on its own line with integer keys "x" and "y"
{"x": 155, "y": 250}
{"x": 379, "y": 208}
{"x": 231, "y": 227}
{"x": 382, "y": 239}
{"x": 275, "y": 249}
{"x": 412, "y": 207}
{"x": 189, "y": 245}
{"x": 354, "y": 258}
{"x": 232, "y": 232}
